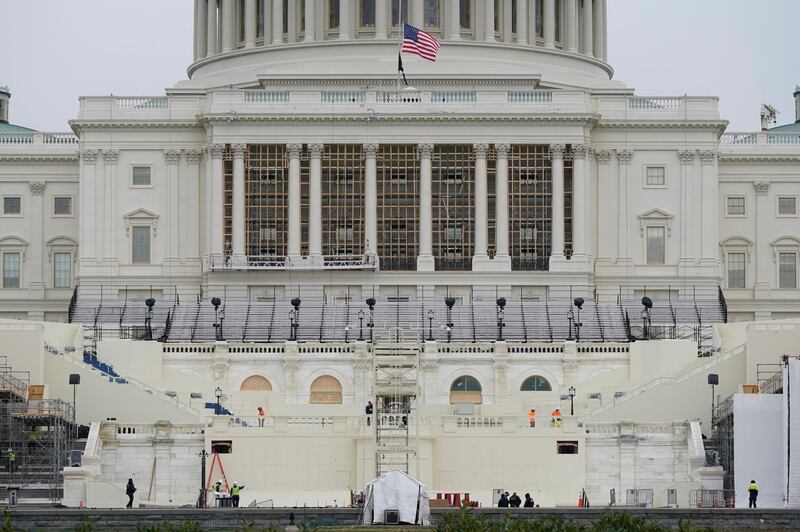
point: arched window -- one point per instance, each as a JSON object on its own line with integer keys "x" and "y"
{"x": 537, "y": 383}
{"x": 326, "y": 390}
{"x": 255, "y": 383}
{"x": 466, "y": 389}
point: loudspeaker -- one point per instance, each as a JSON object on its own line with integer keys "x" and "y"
{"x": 74, "y": 378}
{"x": 713, "y": 378}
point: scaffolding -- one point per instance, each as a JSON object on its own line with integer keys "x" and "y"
{"x": 36, "y": 436}
{"x": 395, "y": 369}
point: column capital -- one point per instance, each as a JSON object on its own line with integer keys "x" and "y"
{"x": 172, "y": 156}
{"x": 89, "y": 156}
{"x": 371, "y": 150}
{"x": 501, "y": 150}
{"x": 238, "y": 150}
{"x": 294, "y": 150}
{"x": 557, "y": 151}
{"x": 216, "y": 151}
{"x": 762, "y": 188}
{"x": 37, "y": 187}
{"x": 708, "y": 156}
{"x": 193, "y": 156}
{"x": 480, "y": 150}
{"x": 687, "y": 156}
{"x": 603, "y": 156}
{"x": 624, "y": 156}
{"x": 110, "y": 156}
{"x": 580, "y": 151}
{"x": 425, "y": 150}
{"x": 316, "y": 150}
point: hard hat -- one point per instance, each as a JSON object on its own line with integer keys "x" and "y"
{"x": 234, "y": 482}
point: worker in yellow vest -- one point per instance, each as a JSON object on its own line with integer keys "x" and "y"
{"x": 752, "y": 489}
{"x": 235, "y": 489}
{"x": 532, "y": 417}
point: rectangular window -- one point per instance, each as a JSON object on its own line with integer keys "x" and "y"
{"x": 787, "y": 270}
{"x": 141, "y": 245}
{"x": 567, "y": 447}
{"x": 498, "y": 17}
{"x": 513, "y": 16}
{"x": 62, "y": 270}
{"x": 655, "y": 245}
{"x": 466, "y": 15}
{"x": 12, "y": 205}
{"x": 655, "y": 176}
{"x": 398, "y": 7}
{"x": 736, "y": 206}
{"x": 367, "y": 14}
{"x": 539, "y": 20}
{"x": 432, "y": 19}
{"x": 142, "y": 176}
{"x": 285, "y": 16}
{"x": 62, "y": 206}
{"x": 260, "y": 20}
{"x": 333, "y": 14}
{"x": 11, "y": 270}
{"x": 527, "y": 232}
{"x": 787, "y": 206}
{"x": 455, "y": 233}
{"x": 736, "y": 270}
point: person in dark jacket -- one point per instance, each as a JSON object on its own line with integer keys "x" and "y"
{"x": 503, "y": 502}
{"x": 528, "y": 501}
{"x": 368, "y": 412}
{"x": 514, "y": 501}
{"x": 130, "y": 489}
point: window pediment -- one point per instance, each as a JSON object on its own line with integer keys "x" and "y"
{"x": 141, "y": 216}
{"x": 784, "y": 244}
{"x": 736, "y": 244}
{"x": 60, "y": 244}
{"x": 655, "y": 217}
{"x": 14, "y": 244}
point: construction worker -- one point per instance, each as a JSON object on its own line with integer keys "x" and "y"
{"x": 217, "y": 489}
{"x": 532, "y": 417}
{"x": 557, "y": 422}
{"x": 130, "y": 489}
{"x": 235, "y": 489}
{"x": 261, "y": 416}
{"x": 368, "y": 412}
{"x": 752, "y": 489}
{"x": 12, "y": 461}
{"x": 554, "y": 415}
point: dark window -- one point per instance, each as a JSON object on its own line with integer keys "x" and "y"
{"x": 221, "y": 446}
{"x": 567, "y": 447}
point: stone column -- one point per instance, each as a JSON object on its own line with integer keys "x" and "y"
{"x": 250, "y": 23}
{"x": 501, "y": 255}
{"x": 371, "y": 200}
{"x": 425, "y": 261}
{"x": 623, "y": 212}
{"x": 710, "y": 205}
{"x": 36, "y": 253}
{"x": 381, "y": 20}
{"x": 238, "y": 221}
{"x": 549, "y": 23}
{"x": 211, "y": 20}
{"x": 598, "y": 29}
{"x": 588, "y": 28}
{"x": 277, "y": 22}
{"x": 606, "y": 202}
{"x": 266, "y": 14}
{"x": 580, "y": 163}
{"x": 311, "y": 21}
{"x": 315, "y": 202}
{"x": 293, "y": 212}
{"x": 522, "y": 22}
{"x": 417, "y": 15}
{"x": 557, "y": 202}
{"x": 171, "y": 158}
{"x": 488, "y": 23}
{"x": 228, "y": 25}
{"x": 189, "y": 207}
{"x": 571, "y": 25}
{"x": 454, "y": 20}
{"x": 346, "y": 16}
{"x": 110, "y": 158}
{"x": 687, "y": 223}
{"x": 765, "y": 265}
{"x": 200, "y": 29}
{"x": 217, "y": 198}
{"x": 87, "y": 223}
{"x": 481, "y": 204}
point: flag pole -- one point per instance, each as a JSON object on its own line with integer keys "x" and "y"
{"x": 401, "y": 25}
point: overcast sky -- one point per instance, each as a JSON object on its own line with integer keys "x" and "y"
{"x": 53, "y": 51}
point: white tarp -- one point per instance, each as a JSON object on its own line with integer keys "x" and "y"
{"x": 758, "y": 448}
{"x": 396, "y": 490}
{"x": 791, "y": 416}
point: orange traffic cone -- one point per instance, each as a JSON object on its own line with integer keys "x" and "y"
{"x": 81, "y": 505}
{"x": 580, "y": 501}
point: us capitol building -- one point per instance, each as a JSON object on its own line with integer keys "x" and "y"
{"x": 292, "y": 227}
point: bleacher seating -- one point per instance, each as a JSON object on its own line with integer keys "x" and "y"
{"x": 400, "y": 319}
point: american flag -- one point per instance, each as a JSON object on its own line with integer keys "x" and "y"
{"x": 416, "y": 41}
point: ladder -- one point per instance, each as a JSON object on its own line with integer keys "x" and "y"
{"x": 396, "y": 389}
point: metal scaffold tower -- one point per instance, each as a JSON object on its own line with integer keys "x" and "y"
{"x": 36, "y": 436}
{"x": 396, "y": 390}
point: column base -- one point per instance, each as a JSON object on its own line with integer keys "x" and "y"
{"x": 315, "y": 260}
{"x": 36, "y": 290}
{"x": 500, "y": 263}
{"x": 762, "y": 290}
{"x": 426, "y": 263}
{"x": 560, "y": 263}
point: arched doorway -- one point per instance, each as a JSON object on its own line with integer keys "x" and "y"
{"x": 536, "y": 383}
{"x": 255, "y": 383}
{"x": 466, "y": 389}
{"x": 326, "y": 390}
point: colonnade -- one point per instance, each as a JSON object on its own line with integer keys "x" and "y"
{"x": 425, "y": 254}
{"x": 582, "y": 24}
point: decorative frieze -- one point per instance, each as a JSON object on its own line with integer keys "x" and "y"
{"x": 216, "y": 151}
{"x": 481, "y": 150}
{"x": 294, "y": 150}
{"x": 194, "y": 156}
{"x": 624, "y": 157}
{"x": 580, "y": 151}
{"x": 687, "y": 156}
{"x": 110, "y": 156}
{"x": 425, "y": 150}
{"x": 316, "y": 150}
{"x": 239, "y": 150}
{"x": 172, "y": 156}
{"x": 708, "y": 156}
{"x": 762, "y": 188}
{"x": 603, "y": 156}
{"x": 557, "y": 151}
{"x": 501, "y": 150}
{"x": 37, "y": 187}
{"x": 89, "y": 156}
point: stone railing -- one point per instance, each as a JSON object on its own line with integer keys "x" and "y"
{"x": 39, "y": 139}
{"x": 655, "y": 103}
{"x": 142, "y": 103}
{"x": 760, "y": 137}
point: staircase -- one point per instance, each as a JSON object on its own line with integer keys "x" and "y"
{"x": 396, "y": 368}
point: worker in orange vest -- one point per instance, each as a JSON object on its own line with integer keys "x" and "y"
{"x": 532, "y": 417}
{"x": 555, "y": 417}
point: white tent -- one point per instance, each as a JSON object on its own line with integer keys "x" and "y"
{"x": 396, "y": 490}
